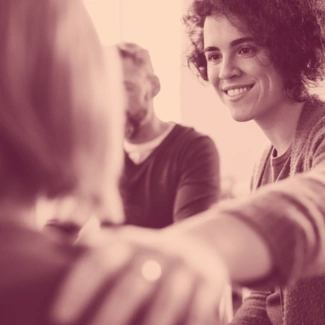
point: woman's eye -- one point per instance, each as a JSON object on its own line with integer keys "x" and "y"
{"x": 214, "y": 57}
{"x": 247, "y": 51}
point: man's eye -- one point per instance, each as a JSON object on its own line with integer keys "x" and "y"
{"x": 129, "y": 88}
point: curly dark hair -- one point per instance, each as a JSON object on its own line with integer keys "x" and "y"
{"x": 292, "y": 31}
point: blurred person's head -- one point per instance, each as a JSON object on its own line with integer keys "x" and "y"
{"x": 264, "y": 52}
{"x": 60, "y": 117}
{"x": 141, "y": 86}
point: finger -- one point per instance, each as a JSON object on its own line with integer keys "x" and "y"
{"x": 171, "y": 301}
{"x": 125, "y": 299}
{"x": 92, "y": 271}
{"x": 203, "y": 310}
{"x": 225, "y": 309}
{"x": 210, "y": 307}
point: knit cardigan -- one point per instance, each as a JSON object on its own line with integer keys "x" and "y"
{"x": 290, "y": 216}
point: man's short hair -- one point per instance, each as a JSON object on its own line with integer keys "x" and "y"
{"x": 137, "y": 54}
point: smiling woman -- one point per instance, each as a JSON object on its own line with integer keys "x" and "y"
{"x": 241, "y": 72}
{"x": 275, "y": 237}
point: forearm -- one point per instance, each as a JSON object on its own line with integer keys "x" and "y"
{"x": 242, "y": 248}
{"x": 280, "y": 229}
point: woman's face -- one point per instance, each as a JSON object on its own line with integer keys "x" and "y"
{"x": 240, "y": 71}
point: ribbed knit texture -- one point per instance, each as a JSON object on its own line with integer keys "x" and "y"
{"x": 290, "y": 215}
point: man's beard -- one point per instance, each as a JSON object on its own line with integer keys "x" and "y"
{"x": 133, "y": 123}
{"x": 132, "y": 128}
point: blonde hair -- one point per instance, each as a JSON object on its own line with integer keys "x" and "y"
{"x": 60, "y": 133}
{"x": 137, "y": 54}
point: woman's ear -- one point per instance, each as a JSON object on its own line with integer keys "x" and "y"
{"x": 155, "y": 85}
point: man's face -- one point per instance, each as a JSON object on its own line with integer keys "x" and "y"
{"x": 139, "y": 97}
{"x": 240, "y": 71}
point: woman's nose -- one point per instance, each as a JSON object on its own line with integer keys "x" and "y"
{"x": 228, "y": 69}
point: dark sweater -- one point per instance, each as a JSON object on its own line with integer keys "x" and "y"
{"x": 179, "y": 179}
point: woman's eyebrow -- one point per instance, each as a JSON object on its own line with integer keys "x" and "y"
{"x": 241, "y": 40}
{"x": 232, "y": 43}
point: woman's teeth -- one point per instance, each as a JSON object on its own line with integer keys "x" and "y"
{"x": 237, "y": 91}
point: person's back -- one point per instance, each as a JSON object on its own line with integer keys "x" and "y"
{"x": 61, "y": 128}
{"x": 40, "y": 116}
{"x": 32, "y": 269}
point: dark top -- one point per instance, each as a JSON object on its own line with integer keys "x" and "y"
{"x": 180, "y": 178}
{"x": 31, "y": 269}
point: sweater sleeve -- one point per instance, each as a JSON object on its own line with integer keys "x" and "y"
{"x": 199, "y": 184}
{"x": 253, "y": 311}
{"x": 289, "y": 215}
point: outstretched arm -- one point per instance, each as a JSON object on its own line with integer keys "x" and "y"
{"x": 243, "y": 249}
{"x": 278, "y": 232}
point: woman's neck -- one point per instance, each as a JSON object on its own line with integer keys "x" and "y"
{"x": 281, "y": 124}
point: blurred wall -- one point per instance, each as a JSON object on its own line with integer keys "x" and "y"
{"x": 106, "y": 15}
{"x": 155, "y": 25}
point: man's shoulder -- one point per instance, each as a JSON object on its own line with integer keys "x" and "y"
{"x": 189, "y": 133}
{"x": 188, "y": 143}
